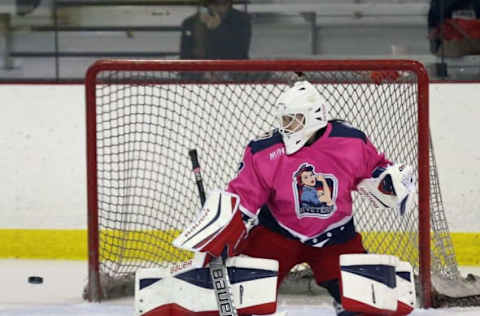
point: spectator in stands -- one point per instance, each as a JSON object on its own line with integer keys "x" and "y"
{"x": 216, "y": 31}
{"x": 442, "y": 10}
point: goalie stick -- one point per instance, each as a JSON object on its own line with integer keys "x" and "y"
{"x": 218, "y": 270}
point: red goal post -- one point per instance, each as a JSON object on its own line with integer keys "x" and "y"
{"x": 133, "y": 113}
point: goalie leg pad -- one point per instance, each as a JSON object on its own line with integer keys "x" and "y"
{"x": 189, "y": 292}
{"x": 405, "y": 288}
{"x": 368, "y": 283}
{"x": 377, "y": 284}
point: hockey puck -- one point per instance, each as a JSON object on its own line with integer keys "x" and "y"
{"x": 35, "y": 280}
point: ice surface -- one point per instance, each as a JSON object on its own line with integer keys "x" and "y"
{"x": 63, "y": 282}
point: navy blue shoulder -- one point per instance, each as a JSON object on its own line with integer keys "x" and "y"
{"x": 265, "y": 141}
{"x": 341, "y": 129}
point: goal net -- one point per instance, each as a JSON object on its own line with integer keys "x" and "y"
{"x": 144, "y": 116}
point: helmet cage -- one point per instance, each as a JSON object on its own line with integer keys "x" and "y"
{"x": 291, "y": 123}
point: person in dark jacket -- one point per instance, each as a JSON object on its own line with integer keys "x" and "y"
{"x": 216, "y": 31}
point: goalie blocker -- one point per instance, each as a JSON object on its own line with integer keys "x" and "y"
{"x": 218, "y": 226}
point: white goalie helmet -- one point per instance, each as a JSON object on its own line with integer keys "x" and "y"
{"x": 301, "y": 112}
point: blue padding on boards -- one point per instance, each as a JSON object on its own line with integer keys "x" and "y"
{"x": 379, "y": 272}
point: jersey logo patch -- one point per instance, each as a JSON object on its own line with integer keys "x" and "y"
{"x": 315, "y": 193}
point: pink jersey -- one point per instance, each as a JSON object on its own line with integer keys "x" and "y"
{"x": 308, "y": 192}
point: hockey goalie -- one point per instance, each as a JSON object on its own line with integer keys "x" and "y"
{"x": 291, "y": 202}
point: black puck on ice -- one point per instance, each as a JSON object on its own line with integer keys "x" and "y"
{"x": 35, "y": 280}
